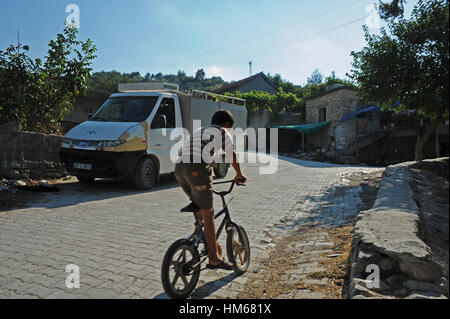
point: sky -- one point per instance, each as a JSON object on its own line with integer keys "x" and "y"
{"x": 288, "y": 37}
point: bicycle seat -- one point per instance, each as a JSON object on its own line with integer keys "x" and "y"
{"x": 191, "y": 208}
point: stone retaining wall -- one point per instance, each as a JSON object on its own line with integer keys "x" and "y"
{"x": 29, "y": 155}
{"x": 386, "y": 242}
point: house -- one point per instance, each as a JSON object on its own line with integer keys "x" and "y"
{"x": 350, "y": 125}
{"x": 362, "y": 132}
{"x": 257, "y": 82}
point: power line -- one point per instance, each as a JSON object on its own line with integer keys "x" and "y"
{"x": 262, "y": 34}
{"x": 286, "y": 43}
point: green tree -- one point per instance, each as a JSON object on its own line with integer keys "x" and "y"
{"x": 392, "y": 9}
{"x": 39, "y": 93}
{"x": 410, "y": 64}
{"x": 287, "y": 102}
{"x": 315, "y": 78}
{"x": 200, "y": 75}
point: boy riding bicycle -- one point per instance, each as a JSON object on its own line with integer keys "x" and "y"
{"x": 194, "y": 174}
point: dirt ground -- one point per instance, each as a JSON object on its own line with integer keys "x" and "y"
{"x": 14, "y": 196}
{"x": 272, "y": 284}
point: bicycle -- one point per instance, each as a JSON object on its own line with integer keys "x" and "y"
{"x": 183, "y": 258}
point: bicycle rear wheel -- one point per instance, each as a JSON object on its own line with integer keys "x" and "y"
{"x": 178, "y": 274}
{"x": 238, "y": 249}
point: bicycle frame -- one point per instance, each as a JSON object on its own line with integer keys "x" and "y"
{"x": 198, "y": 235}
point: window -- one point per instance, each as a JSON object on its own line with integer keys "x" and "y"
{"x": 126, "y": 109}
{"x": 167, "y": 108}
{"x": 323, "y": 115}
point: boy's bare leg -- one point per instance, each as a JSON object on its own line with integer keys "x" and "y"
{"x": 207, "y": 217}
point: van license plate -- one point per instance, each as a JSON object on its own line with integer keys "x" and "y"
{"x": 82, "y": 166}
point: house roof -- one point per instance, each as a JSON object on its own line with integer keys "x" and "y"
{"x": 234, "y": 86}
{"x": 328, "y": 90}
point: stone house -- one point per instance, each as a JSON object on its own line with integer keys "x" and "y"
{"x": 359, "y": 132}
{"x": 257, "y": 82}
{"x": 350, "y": 125}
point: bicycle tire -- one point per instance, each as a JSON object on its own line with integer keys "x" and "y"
{"x": 181, "y": 270}
{"x": 235, "y": 248}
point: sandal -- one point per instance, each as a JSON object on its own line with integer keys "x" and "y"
{"x": 221, "y": 265}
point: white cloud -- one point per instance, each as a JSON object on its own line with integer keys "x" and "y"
{"x": 214, "y": 71}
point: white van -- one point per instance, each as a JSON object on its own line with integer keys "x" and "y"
{"x": 129, "y": 136}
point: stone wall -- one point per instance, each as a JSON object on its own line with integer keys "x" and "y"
{"x": 388, "y": 242}
{"x": 338, "y": 103}
{"x": 339, "y": 135}
{"x": 288, "y": 141}
{"x": 399, "y": 144}
{"x": 29, "y": 155}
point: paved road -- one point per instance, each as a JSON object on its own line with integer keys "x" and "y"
{"x": 118, "y": 236}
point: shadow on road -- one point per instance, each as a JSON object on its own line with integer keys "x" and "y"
{"x": 74, "y": 193}
{"x": 207, "y": 289}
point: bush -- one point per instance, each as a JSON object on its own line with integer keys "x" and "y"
{"x": 38, "y": 94}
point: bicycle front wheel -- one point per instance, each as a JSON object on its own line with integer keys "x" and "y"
{"x": 238, "y": 249}
{"x": 180, "y": 269}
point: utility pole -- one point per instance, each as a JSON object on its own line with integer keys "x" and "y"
{"x": 250, "y": 68}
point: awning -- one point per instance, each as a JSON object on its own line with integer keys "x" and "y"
{"x": 306, "y": 129}
{"x": 367, "y": 109}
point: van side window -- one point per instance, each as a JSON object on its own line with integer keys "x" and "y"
{"x": 167, "y": 108}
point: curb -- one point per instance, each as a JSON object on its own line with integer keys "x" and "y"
{"x": 386, "y": 245}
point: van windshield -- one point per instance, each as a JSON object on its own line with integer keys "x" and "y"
{"x": 126, "y": 109}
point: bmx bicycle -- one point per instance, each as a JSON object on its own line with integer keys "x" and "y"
{"x": 182, "y": 262}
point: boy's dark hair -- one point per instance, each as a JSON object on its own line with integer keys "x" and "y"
{"x": 221, "y": 117}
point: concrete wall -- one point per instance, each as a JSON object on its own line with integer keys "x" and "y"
{"x": 29, "y": 155}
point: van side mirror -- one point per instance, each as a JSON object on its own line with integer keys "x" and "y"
{"x": 159, "y": 122}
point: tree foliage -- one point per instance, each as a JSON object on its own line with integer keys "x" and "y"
{"x": 108, "y": 81}
{"x": 281, "y": 102}
{"x": 315, "y": 78}
{"x": 410, "y": 64}
{"x": 38, "y": 93}
{"x": 392, "y": 9}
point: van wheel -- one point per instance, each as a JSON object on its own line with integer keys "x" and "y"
{"x": 85, "y": 178}
{"x": 145, "y": 174}
{"x": 221, "y": 169}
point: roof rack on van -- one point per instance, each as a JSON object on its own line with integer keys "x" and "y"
{"x": 147, "y": 86}
{"x": 216, "y": 97}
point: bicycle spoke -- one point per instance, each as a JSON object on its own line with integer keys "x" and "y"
{"x": 175, "y": 279}
{"x": 183, "y": 259}
{"x": 184, "y": 279}
{"x": 238, "y": 251}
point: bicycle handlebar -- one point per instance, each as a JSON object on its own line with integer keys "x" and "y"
{"x": 231, "y": 187}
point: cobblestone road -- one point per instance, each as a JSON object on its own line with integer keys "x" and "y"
{"x": 118, "y": 237}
